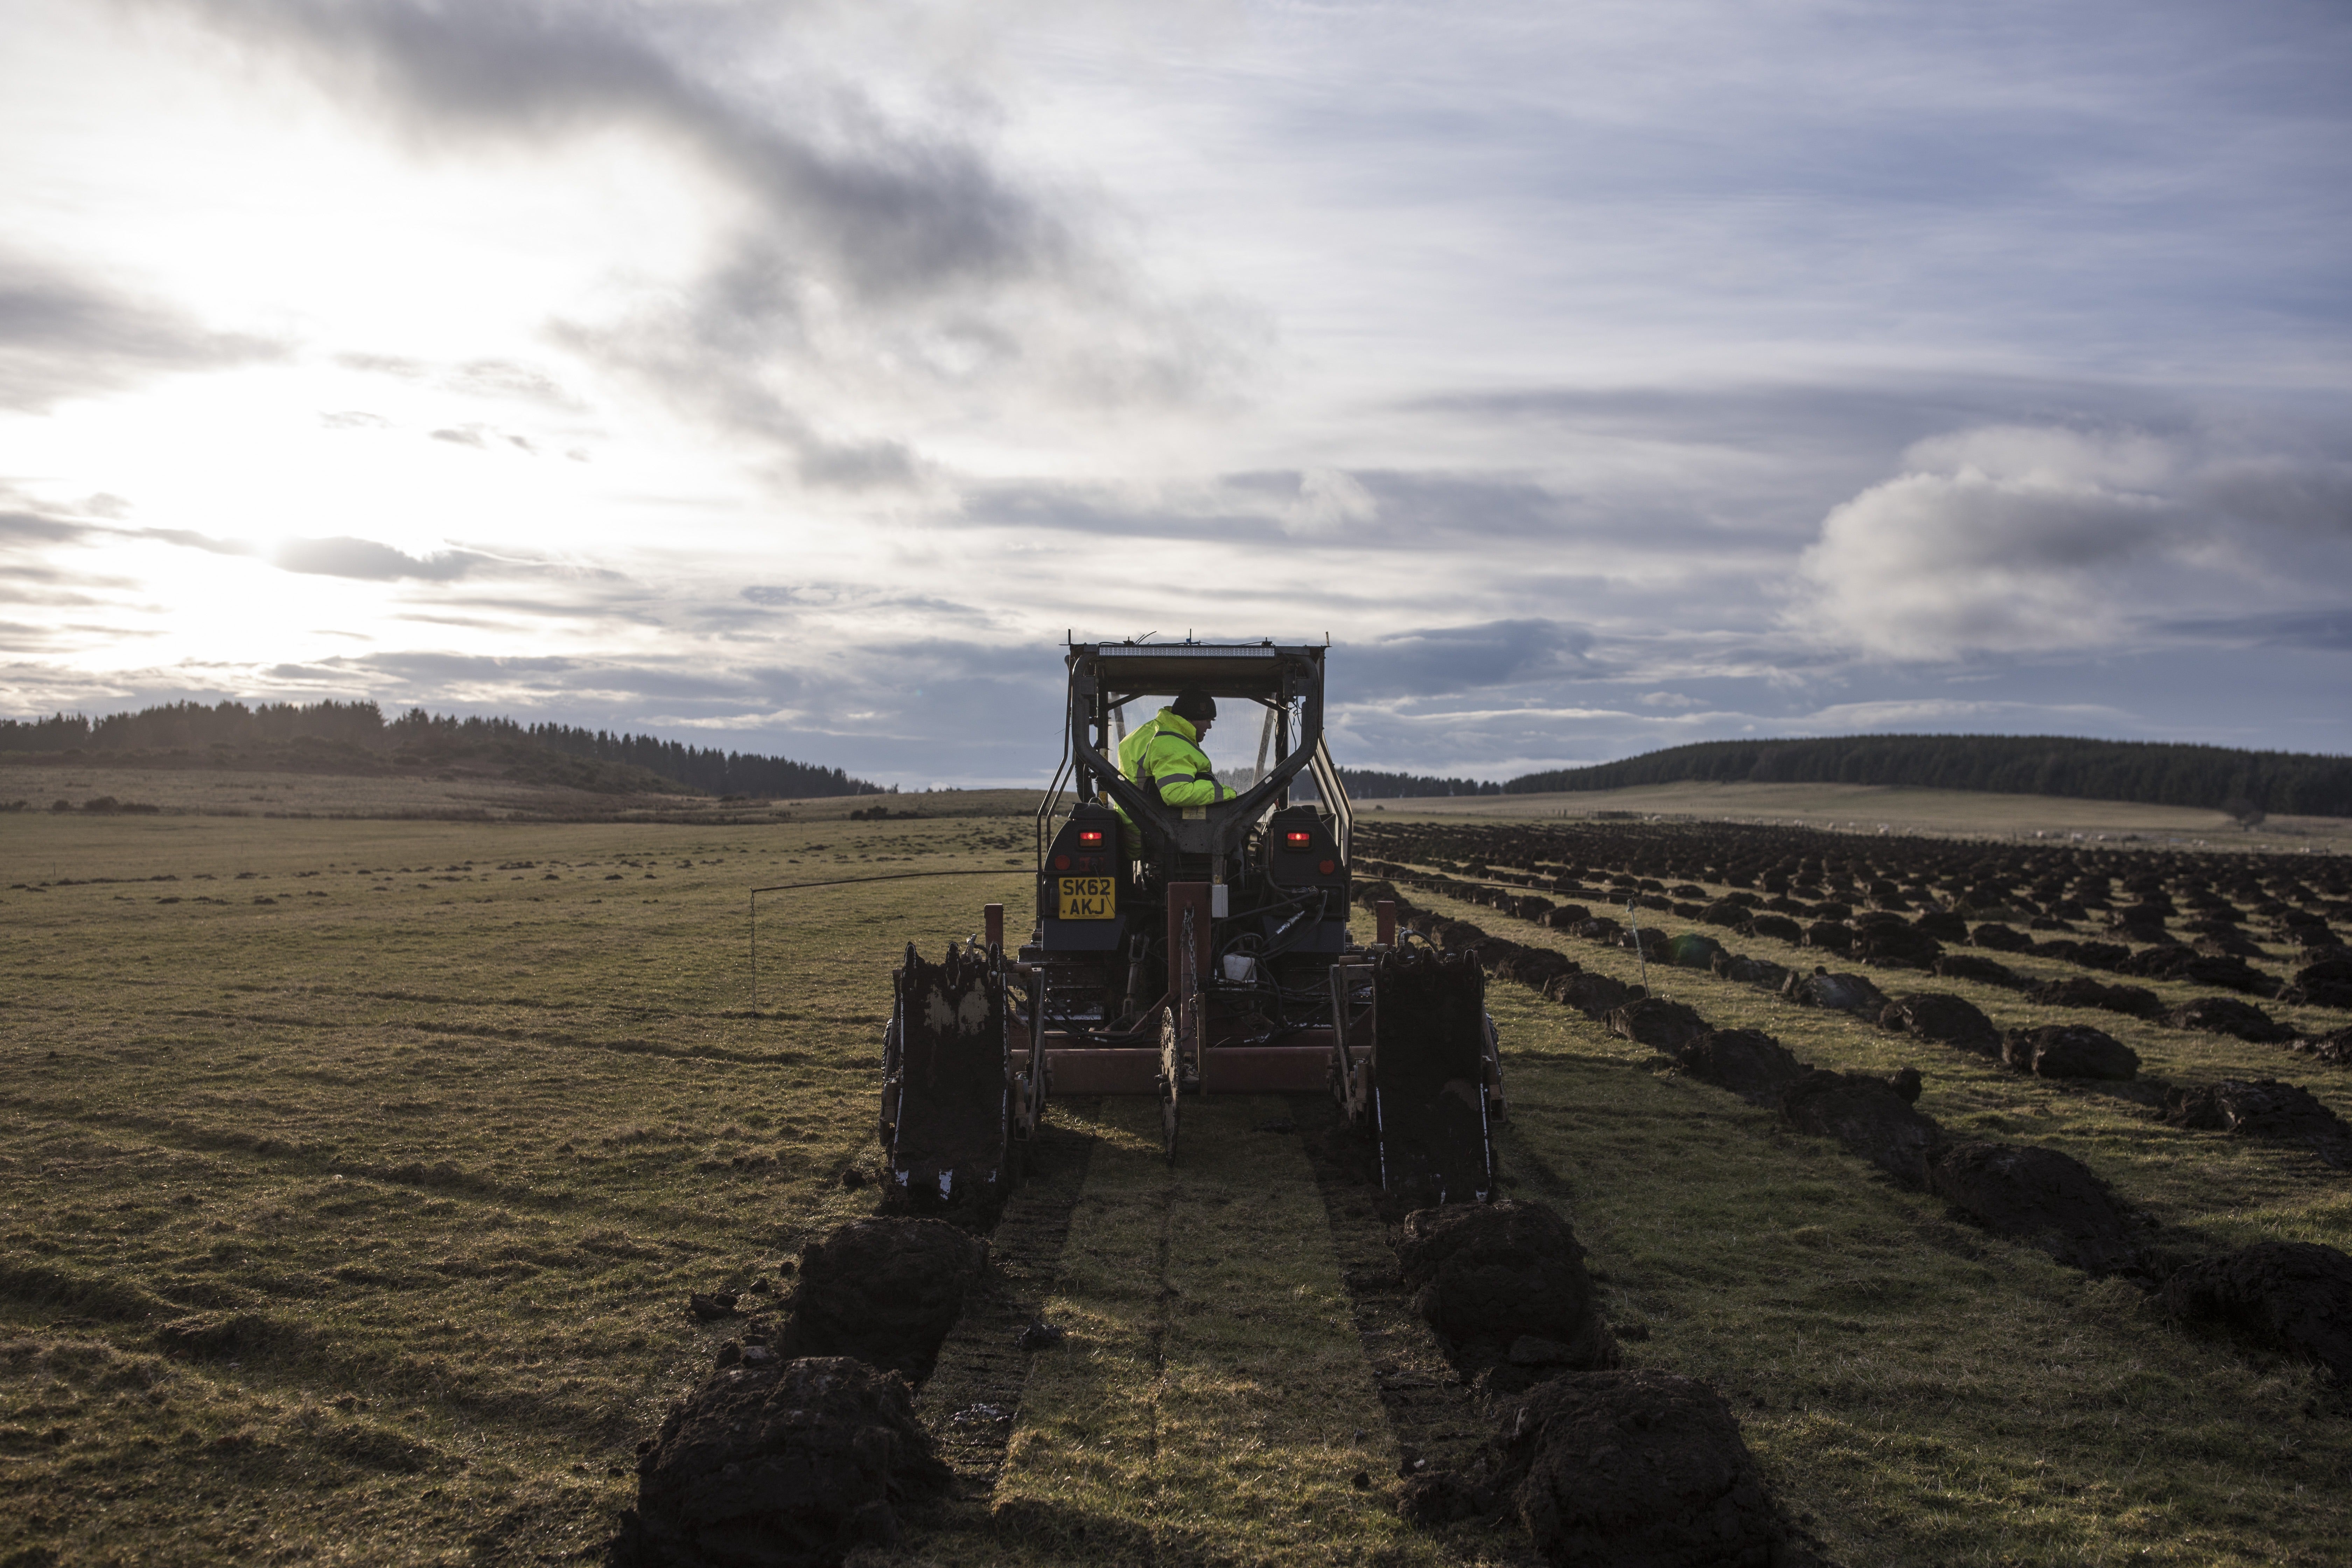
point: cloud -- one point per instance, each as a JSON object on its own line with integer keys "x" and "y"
{"x": 1328, "y": 501}
{"x": 64, "y": 336}
{"x": 370, "y": 562}
{"x": 878, "y": 254}
{"x": 1447, "y": 659}
{"x": 2024, "y": 539}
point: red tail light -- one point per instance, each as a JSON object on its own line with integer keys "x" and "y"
{"x": 1090, "y": 835}
{"x": 1327, "y": 866}
{"x": 1299, "y": 840}
{"x": 1061, "y": 862}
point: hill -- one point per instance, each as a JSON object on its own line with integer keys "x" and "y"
{"x": 354, "y": 738}
{"x": 2218, "y": 778}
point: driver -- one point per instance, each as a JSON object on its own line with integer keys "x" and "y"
{"x": 1163, "y": 754}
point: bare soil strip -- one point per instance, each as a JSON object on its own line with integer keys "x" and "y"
{"x": 1432, "y": 1414}
{"x": 974, "y": 1394}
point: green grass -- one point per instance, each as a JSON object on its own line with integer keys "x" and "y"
{"x": 444, "y": 1148}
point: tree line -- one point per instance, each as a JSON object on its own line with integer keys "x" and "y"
{"x": 2153, "y": 772}
{"x": 196, "y": 726}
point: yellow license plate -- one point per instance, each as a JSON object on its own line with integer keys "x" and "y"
{"x": 1087, "y": 898}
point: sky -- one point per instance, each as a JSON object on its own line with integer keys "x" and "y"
{"x": 795, "y": 377}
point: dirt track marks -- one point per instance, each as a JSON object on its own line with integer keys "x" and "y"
{"x": 981, "y": 1369}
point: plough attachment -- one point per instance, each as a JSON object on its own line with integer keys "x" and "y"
{"x": 948, "y": 1091}
{"x": 1419, "y": 1070}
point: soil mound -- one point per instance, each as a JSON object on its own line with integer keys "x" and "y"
{"x": 1743, "y": 970}
{"x": 1948, "y": 1020}
{"x": 1534, "y": 966}
{"x": 2037, "y": 1195}
{"x": 2228, "y": 1016}
{"x": 1656, "y": 1022}
{"x": 1839, "y": 992}
{"x": 1632, "y": 1469}
{"x": 2262, "y": 1108}
{"x": 2080, "y": 991}
{"x": 2174, "y": 961}
{"x": 1835, "y": 936}
{"x": 1999, "y": 938}
{"x": 788, "y": 1466}
{"x": 2293, "y": 1296}
{"x": 2327, "y": 983}
{"x": 1503, "y": 1287}
{"x": 1748, "y": 1062}
{"x": 1691, "y": 951}
{"x": 1871, "y": 1116}
{"x": 885, "y": 1290}
{"x": 1968, "y": 966}
{"x": 2334, "y": 1048}
{"x": 1776, "y": 928}
{"x": 1885, "y": 937}
{"x": 2069, "y": 1050}
{"x": 1594, "y": 995}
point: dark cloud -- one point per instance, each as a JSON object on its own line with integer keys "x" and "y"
{"x": 63, "y": 336}
{"x": 1443, "y": 660}
{"x": 2323, "y": 629}
{"x": 370, "y": 561}
{"x": 24, "y": 528}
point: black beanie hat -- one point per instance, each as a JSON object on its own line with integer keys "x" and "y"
{"x": 1194, "y": 704}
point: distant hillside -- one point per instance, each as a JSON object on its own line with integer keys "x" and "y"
{"x": 356, "y": 737}
{"x": 2150, "y": 773}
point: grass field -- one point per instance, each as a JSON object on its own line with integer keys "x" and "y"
{"x": 419, "y": 1134}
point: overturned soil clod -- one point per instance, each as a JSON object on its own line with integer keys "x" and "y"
{"x": 1631, "y": 1470}
{"x": 1748, "y": 1062}
{"x": 1503, "y": 1287}
{"x": 790, "y": 1465}
{"x": 2070, "y": 1050}
{"x": 885, "y": 1290}
{"x": 2289, "y": 1296}
{"x": 1873, "y": 1117}
{"x": 2228, "y": 1016}
{"x": 1838, "y": 993}
{"x": 2080, "y": 991}
{"x": 2261, "y": 1108}
{"x": 2040, "y": 1196}
{"x": 1945, "y": 1019}
{"x": 1655, "y": 1022}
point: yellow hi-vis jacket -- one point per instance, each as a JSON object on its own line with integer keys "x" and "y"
{"x": 1163, "y": 755}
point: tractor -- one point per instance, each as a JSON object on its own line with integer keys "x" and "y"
{"x": 1204, "y": 950}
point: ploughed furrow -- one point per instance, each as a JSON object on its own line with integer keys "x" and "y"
{"x": 1431, "y": 1411}
{"x": 974, "y": 1394}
